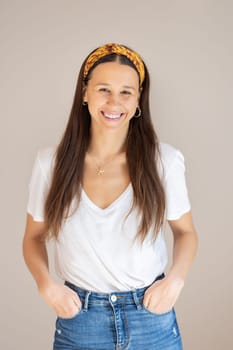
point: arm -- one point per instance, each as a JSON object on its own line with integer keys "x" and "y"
{"x": 62, "y": 299}
{"x": 35, "y": 252}
{"x": 163, "y": 294}
{"x": 185, "y": 246}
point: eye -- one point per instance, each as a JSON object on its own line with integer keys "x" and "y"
{"x": 126, "y": 92}
{"x": 103, "y": 89}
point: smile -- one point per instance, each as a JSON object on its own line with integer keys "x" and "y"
{"x": 112, "y": 116}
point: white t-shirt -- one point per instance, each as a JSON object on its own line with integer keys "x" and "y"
{"x": 96, "y": 249}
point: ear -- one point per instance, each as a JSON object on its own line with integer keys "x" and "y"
{"x": 85, "y": 94}
{"x": 139, "y": 95}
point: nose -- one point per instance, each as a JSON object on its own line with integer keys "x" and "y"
{"x": 113, "y": 99}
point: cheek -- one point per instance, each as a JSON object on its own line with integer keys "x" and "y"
{"x": 132, "y": 105}
{"x": 94, "y": 104}
{"x": 92, "y": 109}
{"x": 97, "y": 100}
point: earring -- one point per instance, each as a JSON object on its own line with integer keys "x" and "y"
{"x": 139, "y": 112}
{"x": 84, "y": 103}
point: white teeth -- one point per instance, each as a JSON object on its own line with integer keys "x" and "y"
{"x": 112, "y": 116}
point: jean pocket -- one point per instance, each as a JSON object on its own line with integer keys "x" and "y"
{"x": 157, "y": 314}
{"x": 72, "y": 317}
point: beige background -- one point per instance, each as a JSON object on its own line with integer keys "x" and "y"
{"x": 187, "y": 46}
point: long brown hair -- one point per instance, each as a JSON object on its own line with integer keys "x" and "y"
{"x": 142, "y": 153}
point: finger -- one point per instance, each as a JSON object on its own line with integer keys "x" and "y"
{"x": 146, "y": 300}
{"x": 77, "y": 303}
{"x": 76, "y": 300}
{"x": 74, "y": 296}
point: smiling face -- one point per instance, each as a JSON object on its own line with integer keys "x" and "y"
{"x": 112, "y": 94}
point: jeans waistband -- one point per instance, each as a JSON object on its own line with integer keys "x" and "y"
{"x": 133, "y": 296}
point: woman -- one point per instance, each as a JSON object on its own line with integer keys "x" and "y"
{"x": 104, "y": 194}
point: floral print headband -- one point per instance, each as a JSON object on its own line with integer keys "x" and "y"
{"x": 109, "y": 49}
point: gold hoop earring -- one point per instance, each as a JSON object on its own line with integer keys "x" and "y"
{"x": 139, "y": 112}
{"x": 84, "y": 103}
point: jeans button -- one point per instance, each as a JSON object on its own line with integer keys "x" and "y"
{"x": 113, "y": 298}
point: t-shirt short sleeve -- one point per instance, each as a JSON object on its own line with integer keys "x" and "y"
{"x": 39, "y": 184}
{"x": 176, "y": 192}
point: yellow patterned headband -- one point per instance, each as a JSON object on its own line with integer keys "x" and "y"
{"x": 108, "y": 49}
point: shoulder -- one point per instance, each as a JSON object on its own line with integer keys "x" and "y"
{"x": 46, "y": 158}
{"x": 46, "y": 155}
{"x": 168, "y": 152}
{"x": 169, "y": 156}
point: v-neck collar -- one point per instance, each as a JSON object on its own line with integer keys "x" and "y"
{"x": 100, "y": 210}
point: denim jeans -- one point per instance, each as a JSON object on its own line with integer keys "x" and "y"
{"x": 116, "y": 321}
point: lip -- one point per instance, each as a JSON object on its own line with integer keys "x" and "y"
{"x": 112, "y": 116}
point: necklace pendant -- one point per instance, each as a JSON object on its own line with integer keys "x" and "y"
{"x": 100, "y": 171}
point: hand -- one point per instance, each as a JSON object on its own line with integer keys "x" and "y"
{"x": 62, "y": 299}
{"x": 162, "y": 295}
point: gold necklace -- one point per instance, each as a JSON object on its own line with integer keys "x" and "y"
{"x": 100, "y": 169}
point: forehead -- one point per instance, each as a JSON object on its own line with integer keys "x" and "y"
{"x": 114, "y": 72}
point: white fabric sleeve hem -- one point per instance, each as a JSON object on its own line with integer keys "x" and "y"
{"x": 177, "y": 198}
{"x": 38, "y": 189}
{"x": 179, "y": 214}
{"x": 35, "y": 217}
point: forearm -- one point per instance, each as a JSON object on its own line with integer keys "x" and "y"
{"x": 184, "y": 251}
{"x": 163, "y": 294}
{"x": 36, "y": 258}
{"x": 60, "y": 298}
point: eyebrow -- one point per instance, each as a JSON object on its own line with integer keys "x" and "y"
{"x": 125, "y": 86}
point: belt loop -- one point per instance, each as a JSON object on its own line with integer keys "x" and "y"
{"x": 85, "y": 307}
{"x": 135, "y": 298}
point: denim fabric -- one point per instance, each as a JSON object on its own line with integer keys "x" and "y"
{"x": 116, "y": 321}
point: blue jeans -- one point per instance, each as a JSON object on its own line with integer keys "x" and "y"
{"x": 116, "y": 321}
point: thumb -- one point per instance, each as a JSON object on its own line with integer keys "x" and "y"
{"x": 146, "y": 300}
{"x": 76, "y": 299}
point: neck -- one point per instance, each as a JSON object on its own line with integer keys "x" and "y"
{"x": 104, "y": 144}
